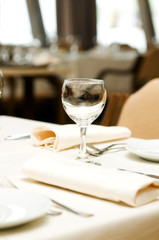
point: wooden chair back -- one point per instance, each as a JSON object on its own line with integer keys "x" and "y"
{"x": 114, "y": 106}
{"x": 148, "y": 68}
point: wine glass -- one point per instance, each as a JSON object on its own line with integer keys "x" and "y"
{"x": 83, "y": 100}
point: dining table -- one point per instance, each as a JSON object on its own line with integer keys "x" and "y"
{"x": 27, "y": 76}
{"x": 110, "y": 220}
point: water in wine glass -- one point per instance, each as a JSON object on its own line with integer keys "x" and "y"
{"x": 83, "y": 115}
{"x": 83, "y": 100}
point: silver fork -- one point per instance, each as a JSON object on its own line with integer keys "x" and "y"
{"x": 115, "y": 147}
{"x": 8, "y": 183}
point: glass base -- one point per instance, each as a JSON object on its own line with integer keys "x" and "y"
{"x": 82, "y": 156}
{"x": 85, "y": 159}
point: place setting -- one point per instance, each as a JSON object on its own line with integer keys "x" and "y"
{"x": 71, "y": 157}
{"x": 20, "y": 207}
{"x": 81, "y": 96}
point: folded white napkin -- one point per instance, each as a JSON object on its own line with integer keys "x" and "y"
{"x": 131, "y": 188}
{"x": 66, "y": 136}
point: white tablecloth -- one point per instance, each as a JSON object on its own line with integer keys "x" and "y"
{"x": 111, "y": 220}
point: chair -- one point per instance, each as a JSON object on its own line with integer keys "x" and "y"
{"x": 139, "y": 111}
{"x": 144, "y": 69}
{"x": 148, "y": 67}
{"x": 113, "y": 108}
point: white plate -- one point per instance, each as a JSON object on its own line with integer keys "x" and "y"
{"x": 18, "y": 207}
{"x": 147, "y": 149}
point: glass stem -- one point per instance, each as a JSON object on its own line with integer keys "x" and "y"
{"x": 82, "y": 152}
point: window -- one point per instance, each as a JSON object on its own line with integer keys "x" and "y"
{"x": 14, "y": 22}
{"x": 15, "y": 27}
{"x": 48, "y": 11}
{"x": 119, "y": 22}
{"x": 154, "y": 6}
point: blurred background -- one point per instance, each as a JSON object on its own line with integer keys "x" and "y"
{"x": 42, "y": 42}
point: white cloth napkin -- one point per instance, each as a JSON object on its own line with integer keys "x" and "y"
{"x": 66, "y": 136}
{"x": 131, "y": 188}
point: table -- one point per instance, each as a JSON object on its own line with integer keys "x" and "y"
{"x": 91, "y": 63}
{"x": 54, "y": 74}
{"x": 112, "y": 221}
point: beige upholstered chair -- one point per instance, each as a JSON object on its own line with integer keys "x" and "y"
{"x": 140, "y": 112}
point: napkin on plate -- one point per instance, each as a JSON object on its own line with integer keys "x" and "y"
{"x": 55, "y": 169}
{"x": 65, "y": 136}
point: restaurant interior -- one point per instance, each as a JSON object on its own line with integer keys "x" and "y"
{"x": 79, "y": 119}
{"x": 73, "y": 39}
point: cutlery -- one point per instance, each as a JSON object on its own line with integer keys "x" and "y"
{"x": 146, "y": 174}
{"x": 111, "y": 148}
{"x": 17, "y": 136}
{"x": 8, "y": 183}
{"x": 82, "y": 214}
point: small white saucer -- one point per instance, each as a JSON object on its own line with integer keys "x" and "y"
{"x": 147, "y": 149}
{"x": 18, "y": 207}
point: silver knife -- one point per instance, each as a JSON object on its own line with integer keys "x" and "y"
{"x": 146, "y": 174}
{"x": 18, "y": 136}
